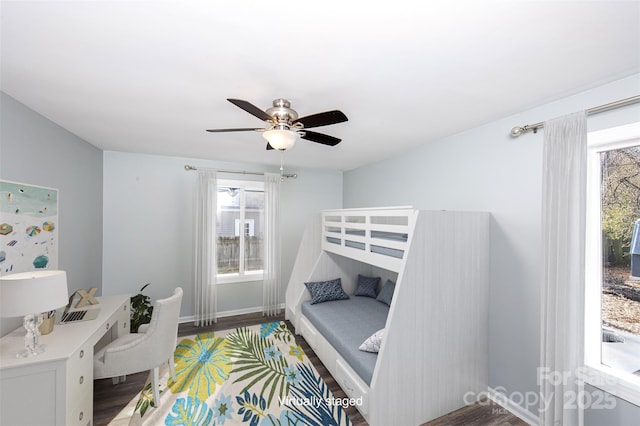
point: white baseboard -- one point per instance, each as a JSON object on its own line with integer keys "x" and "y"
{"x": 231, "y": 313}
{"x": 517, "y": 410}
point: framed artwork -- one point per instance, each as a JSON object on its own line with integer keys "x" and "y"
{"x": 28, "y": 227}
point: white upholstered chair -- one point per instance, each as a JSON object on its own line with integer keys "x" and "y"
{"x": 148, "y": 349}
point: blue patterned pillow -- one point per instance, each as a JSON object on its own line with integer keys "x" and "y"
{"x": 367, "y": 286}
{"x": 325, "y": 291}
{"x": 386, "y": 294}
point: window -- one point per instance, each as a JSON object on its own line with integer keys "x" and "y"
{"x": 612, "y": 297}
{"x": 240, "y": 231}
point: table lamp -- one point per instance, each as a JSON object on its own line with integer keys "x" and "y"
{"x": 30, "y": 294}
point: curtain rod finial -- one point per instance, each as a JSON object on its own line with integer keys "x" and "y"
{"x": 517, "y": 131}
{"x": 189, "y": 168}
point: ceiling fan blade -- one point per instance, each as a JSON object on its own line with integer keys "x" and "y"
{"x": 320, "y": 138}
{"x": 246, "y": 129}
{"x": 251, "y": 109}
{"x": 322, "y": 119}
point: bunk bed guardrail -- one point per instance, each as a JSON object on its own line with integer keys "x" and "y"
{"x": 374, "y": 235}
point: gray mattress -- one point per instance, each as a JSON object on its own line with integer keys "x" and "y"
{"x": 348, "y": 323}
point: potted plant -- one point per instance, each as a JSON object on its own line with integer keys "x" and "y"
{"x": 141, "y": 310}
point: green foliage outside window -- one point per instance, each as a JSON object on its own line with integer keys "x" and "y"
{"x": 620, "y": 200}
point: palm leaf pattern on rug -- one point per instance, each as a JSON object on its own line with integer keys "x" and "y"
{"x": 252, "y": 407}
{"x": 189, "y": 411}
{"x": 287, "y": 418}
{"x": 267, "y": 329}
{"x": 146, "y": 399}
{"x": 259, "y": 362}
{"x": 201, "y": 364}
{"x": 311, "y": 387}
{"x": 247, "y": 376}
{"x": 279, "y": 330}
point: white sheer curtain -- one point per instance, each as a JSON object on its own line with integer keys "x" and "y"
{"x": 271, "y": 285}
{"x": 563, "y": 244}
{"x": 205, "y": 249}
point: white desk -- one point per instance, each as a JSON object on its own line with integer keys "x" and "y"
{"x": 56, "y": 387}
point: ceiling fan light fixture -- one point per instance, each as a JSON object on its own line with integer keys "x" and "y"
{"x": 284, "y": 127}
{"x": 280, "y": 139}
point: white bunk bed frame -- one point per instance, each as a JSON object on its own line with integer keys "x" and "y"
{"x": 435, "y": 349}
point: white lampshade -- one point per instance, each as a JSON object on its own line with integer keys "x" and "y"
{"x": 32, "y": 292}
{"x": 280, "y": 139}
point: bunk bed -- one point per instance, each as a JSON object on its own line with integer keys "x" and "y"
{"x": 435, "y": 345}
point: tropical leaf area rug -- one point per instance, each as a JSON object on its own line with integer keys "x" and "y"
{"x": 251, "y": 375}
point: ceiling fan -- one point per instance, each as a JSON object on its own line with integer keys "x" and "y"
{"x": 284, "y": 125}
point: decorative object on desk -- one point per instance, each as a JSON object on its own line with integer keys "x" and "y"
{"x": 30, "y": 294}
{"x": 70, "y": 316}
{"x": 48, "y": 320}
{"x": 250, "y": 375}
{"x": 86, "y": 297}
{"x": 141, "y": 309}
{"x": 28, "y": 227}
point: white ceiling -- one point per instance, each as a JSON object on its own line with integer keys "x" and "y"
{"x": 150, "y": 77}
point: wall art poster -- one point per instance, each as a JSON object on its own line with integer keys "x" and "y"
{"x": 28, "y": 227}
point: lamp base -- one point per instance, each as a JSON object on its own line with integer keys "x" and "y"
{"x": 30, "y": 352}
{"x": 32, "y": 344}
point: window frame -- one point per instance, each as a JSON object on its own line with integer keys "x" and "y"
{"x": 242, "y": 276}
{"x": 611, "y": 380}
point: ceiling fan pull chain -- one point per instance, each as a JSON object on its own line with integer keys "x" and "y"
{"x": 281, "y": 168}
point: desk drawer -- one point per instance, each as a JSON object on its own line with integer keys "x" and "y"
{"x": 124, "y": 315}
{"x": 62, "y": 386}
{"x": 79, "y": 381}
{"x": 117, "y": 325}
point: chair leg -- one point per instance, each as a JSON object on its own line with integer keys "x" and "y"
{"x": 172, "y": 369}
{"x": 154, "y": 384}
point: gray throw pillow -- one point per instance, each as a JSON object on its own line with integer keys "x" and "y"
{"x": 325, "y": 291}
{"x": 367, "y": 286}
{"x": 386, "y": 294}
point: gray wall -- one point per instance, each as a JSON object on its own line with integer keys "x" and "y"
{"x": 148, "y": 225}
{"x": 485, "y": 169}
{"x": 36, "y": 151}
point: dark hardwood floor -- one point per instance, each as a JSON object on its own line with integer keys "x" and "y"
{"x": 110, "y": 399}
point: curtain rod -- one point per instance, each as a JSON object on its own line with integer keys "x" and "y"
{"x": 242, "y": 172}
{"x": 518, "y": 130}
